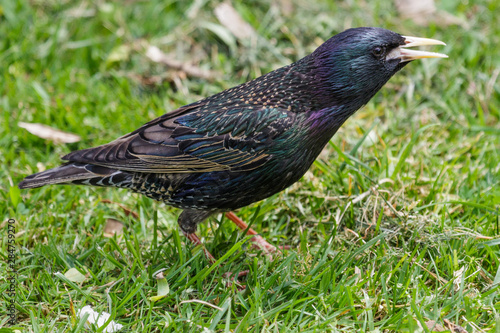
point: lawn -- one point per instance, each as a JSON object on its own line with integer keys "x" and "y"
{"x": 394, "y": 228}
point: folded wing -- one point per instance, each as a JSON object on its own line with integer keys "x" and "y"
{"x": 195, "y": 139}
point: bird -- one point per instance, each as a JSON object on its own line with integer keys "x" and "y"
{"x": 248, "y": 142}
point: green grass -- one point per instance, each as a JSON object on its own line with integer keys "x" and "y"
{"x": 394, "y": 226}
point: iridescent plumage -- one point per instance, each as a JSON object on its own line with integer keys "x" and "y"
{"x": 245, "y": 143}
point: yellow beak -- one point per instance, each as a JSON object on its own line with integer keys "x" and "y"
{"x": 406, "y": 55}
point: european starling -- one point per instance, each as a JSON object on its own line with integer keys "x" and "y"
{"x": 249, "y": 142}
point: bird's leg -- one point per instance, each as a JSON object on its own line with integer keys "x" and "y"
{"x": 188, "y": 221}
{"x": 234, "y": 277}
{"x": 256, "y": 239}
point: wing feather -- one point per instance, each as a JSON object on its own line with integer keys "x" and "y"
{"x": 194, "y": 139}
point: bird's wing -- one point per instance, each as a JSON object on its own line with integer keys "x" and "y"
{"x": 195, "y": 139}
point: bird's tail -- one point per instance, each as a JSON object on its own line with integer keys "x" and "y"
{"x": 79, "y": 173}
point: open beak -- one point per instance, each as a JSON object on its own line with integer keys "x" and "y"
{"x": 406, "y": 55}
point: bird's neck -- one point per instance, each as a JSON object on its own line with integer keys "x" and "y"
{"x": 309, "y": 85}
{"x": 332, "y": 97}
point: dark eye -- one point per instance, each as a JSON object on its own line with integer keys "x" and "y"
{"x": 378, "y": 51}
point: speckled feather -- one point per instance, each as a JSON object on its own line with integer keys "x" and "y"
{"x": 243, "y": 144}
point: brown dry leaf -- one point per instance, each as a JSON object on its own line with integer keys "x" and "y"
{"x": 49, "y": 133}
{"x": 418, "y": 11}
{"x": 454, "y": 328}
{"x": 231, "y": 19}
{"x": 113, "y": 227}
{"x": 424, "y": 11}
{"x": 432, "y": 325}
{"x": 389, "y": 211}
{"x": 286, "y": 7}
{"x": 156, "y": 55}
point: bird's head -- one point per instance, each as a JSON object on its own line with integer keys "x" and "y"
{"x": 356, "y": 63}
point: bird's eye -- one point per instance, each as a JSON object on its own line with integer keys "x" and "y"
{"x": 378, "y": 51}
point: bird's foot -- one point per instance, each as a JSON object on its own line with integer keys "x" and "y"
{"x": 196, "y": 241}
{"x": 260, "y": 243}
{"x": 257, "y": 240}
{"x": 234, "y": 279}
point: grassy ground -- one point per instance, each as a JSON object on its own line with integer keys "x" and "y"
{"x": 395, "y": 226}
